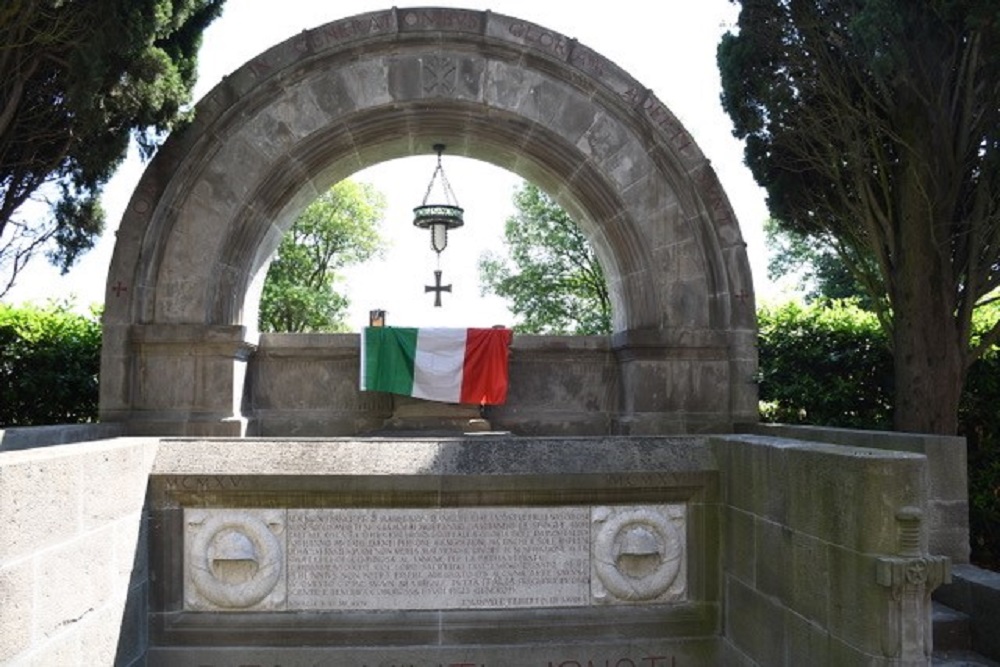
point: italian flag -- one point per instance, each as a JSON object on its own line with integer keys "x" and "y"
{"x": 449, "y": 365}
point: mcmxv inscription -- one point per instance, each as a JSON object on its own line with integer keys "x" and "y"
{"x": 438, "y": 559}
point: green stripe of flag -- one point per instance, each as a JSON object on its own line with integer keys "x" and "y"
{"x": 389, "y": 355}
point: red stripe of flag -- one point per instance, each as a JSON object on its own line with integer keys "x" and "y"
{"x": 484, "y": 373}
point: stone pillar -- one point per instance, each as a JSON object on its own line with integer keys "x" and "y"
{"x": 909, "y": 580}
{"x": 673, "y": 381}
{"x": 187, "y": 380}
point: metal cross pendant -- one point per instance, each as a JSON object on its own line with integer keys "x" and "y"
{"x": 437, "y": 288}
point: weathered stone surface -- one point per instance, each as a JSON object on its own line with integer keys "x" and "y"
{"x": 210, "y": 209}
{"x": 432, "y": 457}
{"x": 794, "y": 590}
{"x": 39, "y": 497}
{"x": 69, "y": 556}
{"x": 840, "y": 567}
{"x": 493, "y": 558}
{"x": 946, "y": 488}
{"x": 622, "y": 653}
{"x": 17, "y": 610}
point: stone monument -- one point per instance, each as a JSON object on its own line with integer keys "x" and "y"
{"x": 623, "y": 522}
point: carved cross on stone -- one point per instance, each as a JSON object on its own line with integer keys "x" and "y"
{"x": 437, "y": 288}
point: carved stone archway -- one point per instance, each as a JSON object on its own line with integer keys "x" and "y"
{"x": 211, "y": 208}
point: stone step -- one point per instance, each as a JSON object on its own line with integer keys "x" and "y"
{"x": 952, "y": 629}
{"x": 953, "y": 640}
{"x": 961, "y": 659}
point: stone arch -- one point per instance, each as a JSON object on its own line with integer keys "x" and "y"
{"x": 213, "y": 204}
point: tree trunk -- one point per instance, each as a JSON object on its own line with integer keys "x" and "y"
{"x": 929, "y": 355}
{"x": 929, "y": 372}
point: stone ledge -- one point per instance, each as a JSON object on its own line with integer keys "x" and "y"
{"x": 28, "y": 437}
{"x": 434, "y": 456}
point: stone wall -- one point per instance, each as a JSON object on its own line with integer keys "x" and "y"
{"x": 947, "y": 509}
{"x": 202, "y": 491}
{"x": 72, "y": 553}
{"x": 306, "y": 385}
{"x": 796, "y": 552}
{"x": 825, "y": 557}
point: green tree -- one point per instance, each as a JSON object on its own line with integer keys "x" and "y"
{"x": 876, "y": 124}
{"x": 338, "y": 229}
{"x": 821, "y": 272}
{"x": 552, "y": 279}
{"x": 78, "y": 80}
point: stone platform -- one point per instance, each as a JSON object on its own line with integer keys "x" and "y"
{"x": 736, "y": 549}
{"x": 489, "y": 550}
{"x": 500, "y": 550}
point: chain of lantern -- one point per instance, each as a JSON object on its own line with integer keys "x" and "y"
{"x": 438, "y": 219}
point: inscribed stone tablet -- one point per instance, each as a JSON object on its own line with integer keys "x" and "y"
{"x": 438, "y": 559}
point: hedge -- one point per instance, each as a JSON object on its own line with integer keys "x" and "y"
{"x": 50, "y": 358}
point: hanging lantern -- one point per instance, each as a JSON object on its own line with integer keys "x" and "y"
{"x": 439, "y": 217}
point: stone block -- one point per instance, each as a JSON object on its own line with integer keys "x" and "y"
{"x": 850, "y": 496}
{"x": 774, "y": 560}
{"x": 99, "y": 638}
{"x": 115, "y": 481}
{"x": 17, "y": 585}
{"x": 948, "y": 529}
{"x": 740, "y": 545}
{"x": 63, "y": 649}
{"x": 30, "y": 437}
{"x": 629, "y": 165}
{"x": 403, "y": 76}
{"x": 40, "y": 498}
{"x": 983, "y": 590}
{"x": 74, "y": 580}
{"x": 756, "y": 472}
{"x": 130, "y": 548}
{"x": 857, "y": 604}
{"x": 843, "y": 653}
{"x": 806, "y": 643}
{"x": 754, "y": 623}
{"x": 508, "y": 87}
{"x": 809, "y": 578}
{"x": 623, "y": 652}
{"x": 731, "y": 656}
{"x": 947, "y": 467}
{"x": 705, "y": 528}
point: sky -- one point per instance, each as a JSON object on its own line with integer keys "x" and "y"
{"x": 667, "y": 45}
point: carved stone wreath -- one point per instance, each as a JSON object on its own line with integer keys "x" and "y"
{"x": 638, "y": 553}
{"x": 233, "y": 559}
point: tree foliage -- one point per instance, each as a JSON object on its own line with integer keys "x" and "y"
{"x": 876, "y": 124}
{"x": 78, "y": 80}
{"x": 49, "y": 363}
{"x": 338, "y": 229}
{"x": 819, "y": 269}
{"x": 551, "y": 279}
{"x": 825, "y": 363}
